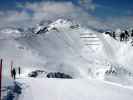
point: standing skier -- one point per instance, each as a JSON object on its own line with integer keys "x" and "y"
{"x": 113, "y": 35}
{"x": 126, "y": 35}
{"x": 14, "y": 73}
{"x": 132, "y": 34}
{"x": 19, "y": 71}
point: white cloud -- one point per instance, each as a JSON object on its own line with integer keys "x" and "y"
{"x": 50, "y": 10}
{"x": 87, "y": 4}
{"x": 14, "y": 18}
{"x": 123, "y": 22}
{"x": 44, "y": 11}
{"x": 51, "y": 7}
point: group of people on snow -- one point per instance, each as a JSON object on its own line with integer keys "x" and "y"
{"x": 123, "y": 36}
{"x": 14, "y": 72}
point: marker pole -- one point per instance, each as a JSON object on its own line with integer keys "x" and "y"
{"x": 0, "y": 76}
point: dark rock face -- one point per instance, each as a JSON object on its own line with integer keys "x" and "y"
{"x": 35, "y": 73}
{"x": 58, "y": 75}
{"x": 44, "y": 30}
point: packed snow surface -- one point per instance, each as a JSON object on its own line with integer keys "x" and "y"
{"x": 73, "y": 89}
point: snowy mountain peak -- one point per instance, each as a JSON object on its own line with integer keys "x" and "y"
{"x": 58, "y": 25}
{"x": 61, "y": 21}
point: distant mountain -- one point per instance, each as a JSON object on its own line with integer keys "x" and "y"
{"x": 10, "y": 33}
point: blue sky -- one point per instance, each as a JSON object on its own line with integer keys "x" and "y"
{"x": 103, "y": 8}
{"x": 97, "y": 14}
{"x": 114, "y": 7}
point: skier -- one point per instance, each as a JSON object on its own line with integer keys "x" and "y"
{"x": 132, "y": 34}
{"x": 19, "y": 71}
{"x": 126, "y": 35}
{"x": 14, "y": 73}
{"x": 122, "y": 36}
{"x": 113, "y": 35}
{"x": 132, "y": 37}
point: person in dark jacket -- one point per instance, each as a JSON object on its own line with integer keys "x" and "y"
{"x": 14, "y": 73}
{"x": 132, "y": 33}
{"x": 113, "y": 35}
{"x": 19, "y": 71}
{"x": 126, "y": 35}
{"x": 122, "y": 36}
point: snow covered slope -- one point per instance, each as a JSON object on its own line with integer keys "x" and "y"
{"x": 62, "y": 48}
{"x": 75, "y": 89}
{"x": 93, "y": 60}
{"x": 54, "y": 51}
